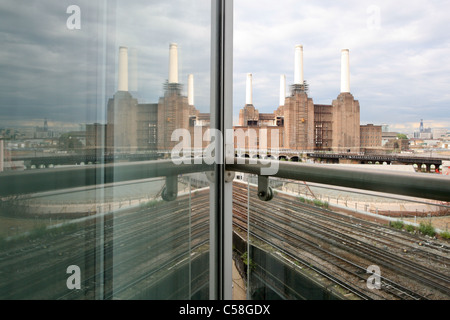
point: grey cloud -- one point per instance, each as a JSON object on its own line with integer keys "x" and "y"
{"x": 66, "y": 75}
{"x": 49, "y": 71}
{"x": 399, "y": 70}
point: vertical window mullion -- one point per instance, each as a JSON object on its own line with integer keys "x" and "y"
{"x": 221, "y": 113}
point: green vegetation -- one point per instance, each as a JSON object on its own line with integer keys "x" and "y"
{"x": 245, "y": 259}
{"x": 402, "y": 136}
{"x": 427, "y": 229}
{"x": 41, "y": 231}
{"x": 69, "y": 227}
{"x": 38, "y": 232}
{"x": 424, "y": 228}
{"x": 410, "y": 228}
{"x": 150, "y": 204}
{"x": 316, "y": 202}
{"x": 322, "y": 204}
{"x": 69, "y": 141}
{"x": 397, "y": 224}
{"x": 445, "y": 235}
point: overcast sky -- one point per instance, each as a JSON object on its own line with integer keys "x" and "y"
{"x": 399, "y": 55}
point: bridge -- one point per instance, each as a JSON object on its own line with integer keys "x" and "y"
{"x": 422, "y": 163}
{"x": 76, "y": 159}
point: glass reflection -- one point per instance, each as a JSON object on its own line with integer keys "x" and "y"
{"x": 97, "y": 85}
{"x": 322, "y": 242}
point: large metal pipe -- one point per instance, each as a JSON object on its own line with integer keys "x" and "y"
{"x": 345, "y": 71}
{"x": 191, "y": 89}
{"x": 282, "y": 89}
{"x": 32, "y": 181}
{"x": 123, "y": 69}
{"x": 298, "y": 65}
{"x": 403, "y": 183}
{"x": 248, "y": 92}
{"x": 173, "y": 63}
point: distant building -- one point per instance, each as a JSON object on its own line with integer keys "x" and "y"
{"x": 96, "y": 136}
{"x": 43, "y": 132}
{"x": 298, "y": 123}
{"x": 439, "y": 133}
{"x": 397, "y": 144}
{"x": 304, "y": 125}
{"x": 132, "y": 126}
{"x": 387, "y": 136}
{"x": 423, "y": 133}
{"x": 371, "y": 136}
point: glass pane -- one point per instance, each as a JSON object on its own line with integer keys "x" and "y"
{"x": 94, "y": 99}
{"x": 315, "y": 241}
{"x": 356, "y": 85}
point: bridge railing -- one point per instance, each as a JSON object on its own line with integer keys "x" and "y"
{"x": 401, "y": 183}
{"x": 39, "y": 180}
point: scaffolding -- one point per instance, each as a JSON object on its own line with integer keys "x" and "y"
{"x": 299, "y": 88}
{"x": 172, "y": 88}
{"x": 322, "y": 127}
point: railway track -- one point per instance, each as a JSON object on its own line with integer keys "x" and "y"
{"x": 136, "y": 236}
{"x": 380, "y": 235}
{"x": 139, "y": 241}
{"x": 315, "y": 229}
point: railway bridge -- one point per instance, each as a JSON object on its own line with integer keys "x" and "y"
{"x": 76, "y": 159}
{"x": 426, "y": 164}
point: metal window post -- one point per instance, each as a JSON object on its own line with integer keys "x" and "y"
{"x": 221, "y": 115}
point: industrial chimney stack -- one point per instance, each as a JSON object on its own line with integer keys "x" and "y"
{"x": 248, "y": 93}
{"x": 298, "y": 65}
{"x": 173, "y": 63}
{"x": 345, "y": 71}
{"x": 123, "y": 69}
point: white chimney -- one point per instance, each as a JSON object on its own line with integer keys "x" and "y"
{"x": 248, "y": 93}
{"x": 298, "y": 65}
{"x": 345, "y": 71}
{"x": 282, "y": 89}
{"x": 123, "y": 69}
{"x": 191, "y": 89}
{"x": 173, "y": 63}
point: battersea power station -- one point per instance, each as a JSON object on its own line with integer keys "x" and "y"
{"x": 298, "y": 122}
{"x": 304, "y": 125}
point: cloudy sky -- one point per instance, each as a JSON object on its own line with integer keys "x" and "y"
{"x": 399, "y": 55}
{"x": 49, "y": 69}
